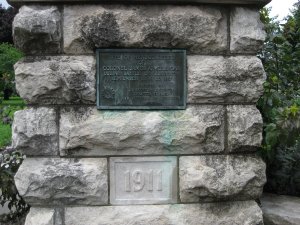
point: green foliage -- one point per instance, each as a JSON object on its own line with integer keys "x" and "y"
{"x": 280, "y": 104}
{"x": 8, "y": 57}
{"x": 284, "y": 175}
{"x": 9, "y": 164}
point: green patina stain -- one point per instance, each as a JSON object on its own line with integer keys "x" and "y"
{"x": 170, "y": 129}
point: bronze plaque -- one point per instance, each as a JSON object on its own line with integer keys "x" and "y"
{"x": 141, "y": 79}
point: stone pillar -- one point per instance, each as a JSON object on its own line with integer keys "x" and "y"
{"x": 196, "y": 166}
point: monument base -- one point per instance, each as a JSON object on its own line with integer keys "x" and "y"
{"x": 225, "y": 213}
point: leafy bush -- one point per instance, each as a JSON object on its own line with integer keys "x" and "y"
{"x": 284, "y": 178}
{"x": 9, "y": 163}
{"x": 280, "y": 104}
{"x": 8, "y": 57}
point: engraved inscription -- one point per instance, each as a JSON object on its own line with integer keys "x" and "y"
{"x": 143, "y": 180}
{"x": 141, "y": 78}
{"x": 138, "y": 180}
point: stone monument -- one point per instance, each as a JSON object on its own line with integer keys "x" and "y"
{"x": 139, "y": 111}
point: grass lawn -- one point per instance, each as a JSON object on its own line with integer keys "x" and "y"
{"x": 14, "y": 101}
{"x": 7, "y": 109}
{"x": 5, "y": 134}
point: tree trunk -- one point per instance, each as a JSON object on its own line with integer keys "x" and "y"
{"x": 7, "y": 93}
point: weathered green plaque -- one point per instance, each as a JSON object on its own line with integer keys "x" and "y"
{"x": 141, "y": 79}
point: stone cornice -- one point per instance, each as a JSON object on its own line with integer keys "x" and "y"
{"x": 236, "y": 2}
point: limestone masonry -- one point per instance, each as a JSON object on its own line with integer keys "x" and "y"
{"x": 85, "y": 166}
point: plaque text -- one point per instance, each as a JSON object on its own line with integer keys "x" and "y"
{"x": 143, "y": 78}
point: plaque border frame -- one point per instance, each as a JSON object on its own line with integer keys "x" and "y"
{"x": 174, "y": 196}
{"x": 122, "y": 50}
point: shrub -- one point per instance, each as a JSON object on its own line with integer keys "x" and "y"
{"x": 9, "y": 163}
{"x": 8, "y": 57}
{"x": 280, "y": 104}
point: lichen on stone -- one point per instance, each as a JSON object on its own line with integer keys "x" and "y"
{"x": 101, "y": 31}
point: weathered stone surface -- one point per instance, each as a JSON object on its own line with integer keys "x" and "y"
{"x": 39, "y": 216}
{"x": 247, "y": 31}
{"x": 63, "y": 181}
{"x": 44, "y": 216}
{"x": 56, "y": 79}
{"x": 87, "y": 131}
{"x": 220, "y": 177}
{"x": 242, "y": 213}
{"x": 245, "y": 128}
{"x": 195, "y": 28}
{"x": 280, "y": 209}
{"x": 34, "y": 131}
{"x": 37, "y": 29}
{"x": 219, "y": 79}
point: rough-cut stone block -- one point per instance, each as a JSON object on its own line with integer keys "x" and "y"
{"x": 35, "y": 131}
{"x": 195, "y": 28}
{"x": 245, "y": 128}
{"x": 63, "y": 181}
{"x": 247, "y": 31}
{"x": 37, "y": 29}
{"x": 220, "y": 177}
{"x": 57, "y": 79}
{"x": 280, "y": 209}
{"x": 44, "y": 216}
{"x": 241, "y": 213}
{"x": 87, "y": 131}
{"x": 218, "y": 79}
